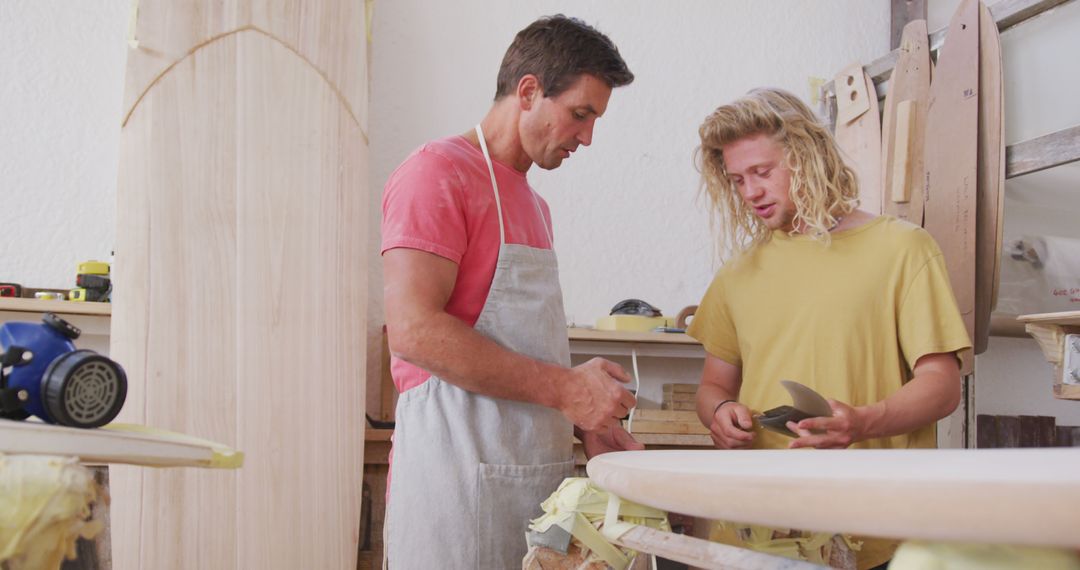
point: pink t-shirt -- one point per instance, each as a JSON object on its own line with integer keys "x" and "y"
{"x": 440, "y": 201}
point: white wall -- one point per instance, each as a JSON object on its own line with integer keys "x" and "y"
{"x": 61, "y": 83}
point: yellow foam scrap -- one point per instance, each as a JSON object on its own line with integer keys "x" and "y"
{"x": 580, "y": 507}
{"x": 45, "y": 509}
{"x": 960, "y": 556}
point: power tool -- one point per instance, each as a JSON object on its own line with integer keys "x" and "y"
{"x": 44, "y": 375}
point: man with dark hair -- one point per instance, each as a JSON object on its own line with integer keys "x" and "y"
{"x": 475, "y": 318}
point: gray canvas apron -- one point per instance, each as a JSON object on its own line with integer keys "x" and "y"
{"x": 470, "y": 470}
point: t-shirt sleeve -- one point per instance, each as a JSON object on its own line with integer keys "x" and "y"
{"x": 423, "y": 207}
{"x": 713, "y": 327}
{"x": 929, "y": 320}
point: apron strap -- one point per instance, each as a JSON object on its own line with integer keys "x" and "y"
{"x": 494, "y": 185}
{"x": 543, "y": 220}
{"x": 498, "y": 202}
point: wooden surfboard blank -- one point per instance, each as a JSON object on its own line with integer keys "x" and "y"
{"x": 991, "y": 177}
{"x": 1006, "y": 496}
{"x": 910, "y": 82}
{"x": 951, "y": 145}
{"x": 858, "y": 132}
{"x": 241, "y": 254}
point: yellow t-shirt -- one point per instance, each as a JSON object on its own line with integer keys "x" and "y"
{"x": 849, "y": 319}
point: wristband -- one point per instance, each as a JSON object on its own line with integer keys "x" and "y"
{"x": 717, "y": 408}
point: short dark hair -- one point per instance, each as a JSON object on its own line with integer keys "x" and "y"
{"x": 557, "y": 49}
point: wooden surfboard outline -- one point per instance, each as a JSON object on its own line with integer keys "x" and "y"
{"x": 858, "y": 132}
{"x": 951, "y": 158}
{"x": 910, "y": 82}
{"x": 991, "y": 177}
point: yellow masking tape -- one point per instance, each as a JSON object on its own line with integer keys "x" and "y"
{"x": 579, "y": 507}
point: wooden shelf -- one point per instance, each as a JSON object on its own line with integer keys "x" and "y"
{"x": 1049, "y": 330}
{"x": 577, "y": 333}
{"x": 1064, "y": 318}
{"x": 23, "y": 305}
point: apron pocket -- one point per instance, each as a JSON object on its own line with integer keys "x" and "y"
{"x": 507, "y": 497}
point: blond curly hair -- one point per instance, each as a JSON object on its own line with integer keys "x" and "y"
{"x": 823, "y": 188}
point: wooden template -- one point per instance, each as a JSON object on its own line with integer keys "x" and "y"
{"x": 241, "y": 254}
{"x": 991, "y": 177}
{"x": 858, "y": 133}
{"x": 950, "y": 159}
{"x": 1007, "y": 496}
{"x": 902, "y": 141}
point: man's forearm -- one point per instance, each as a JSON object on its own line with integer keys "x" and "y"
{"x": 457, "y": 353}
{"x": 708, "y": 397}
{"x": 923, "y": 400}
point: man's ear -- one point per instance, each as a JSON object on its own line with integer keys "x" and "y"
{"x": 529, "y": 91}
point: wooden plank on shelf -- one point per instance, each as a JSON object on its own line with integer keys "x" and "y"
{"x": 680, "y": 388}
{"x": 19, "y": 304}
{"x": 674, "y": 439}
{"x": 664, "y": 415}
{"x": 1066, "y": 391}
{"x": 1064, "y": 318}
{"x": 579, "y": 333}
{"x": 647, "y": 426}
{"x": 680, "y": 398}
